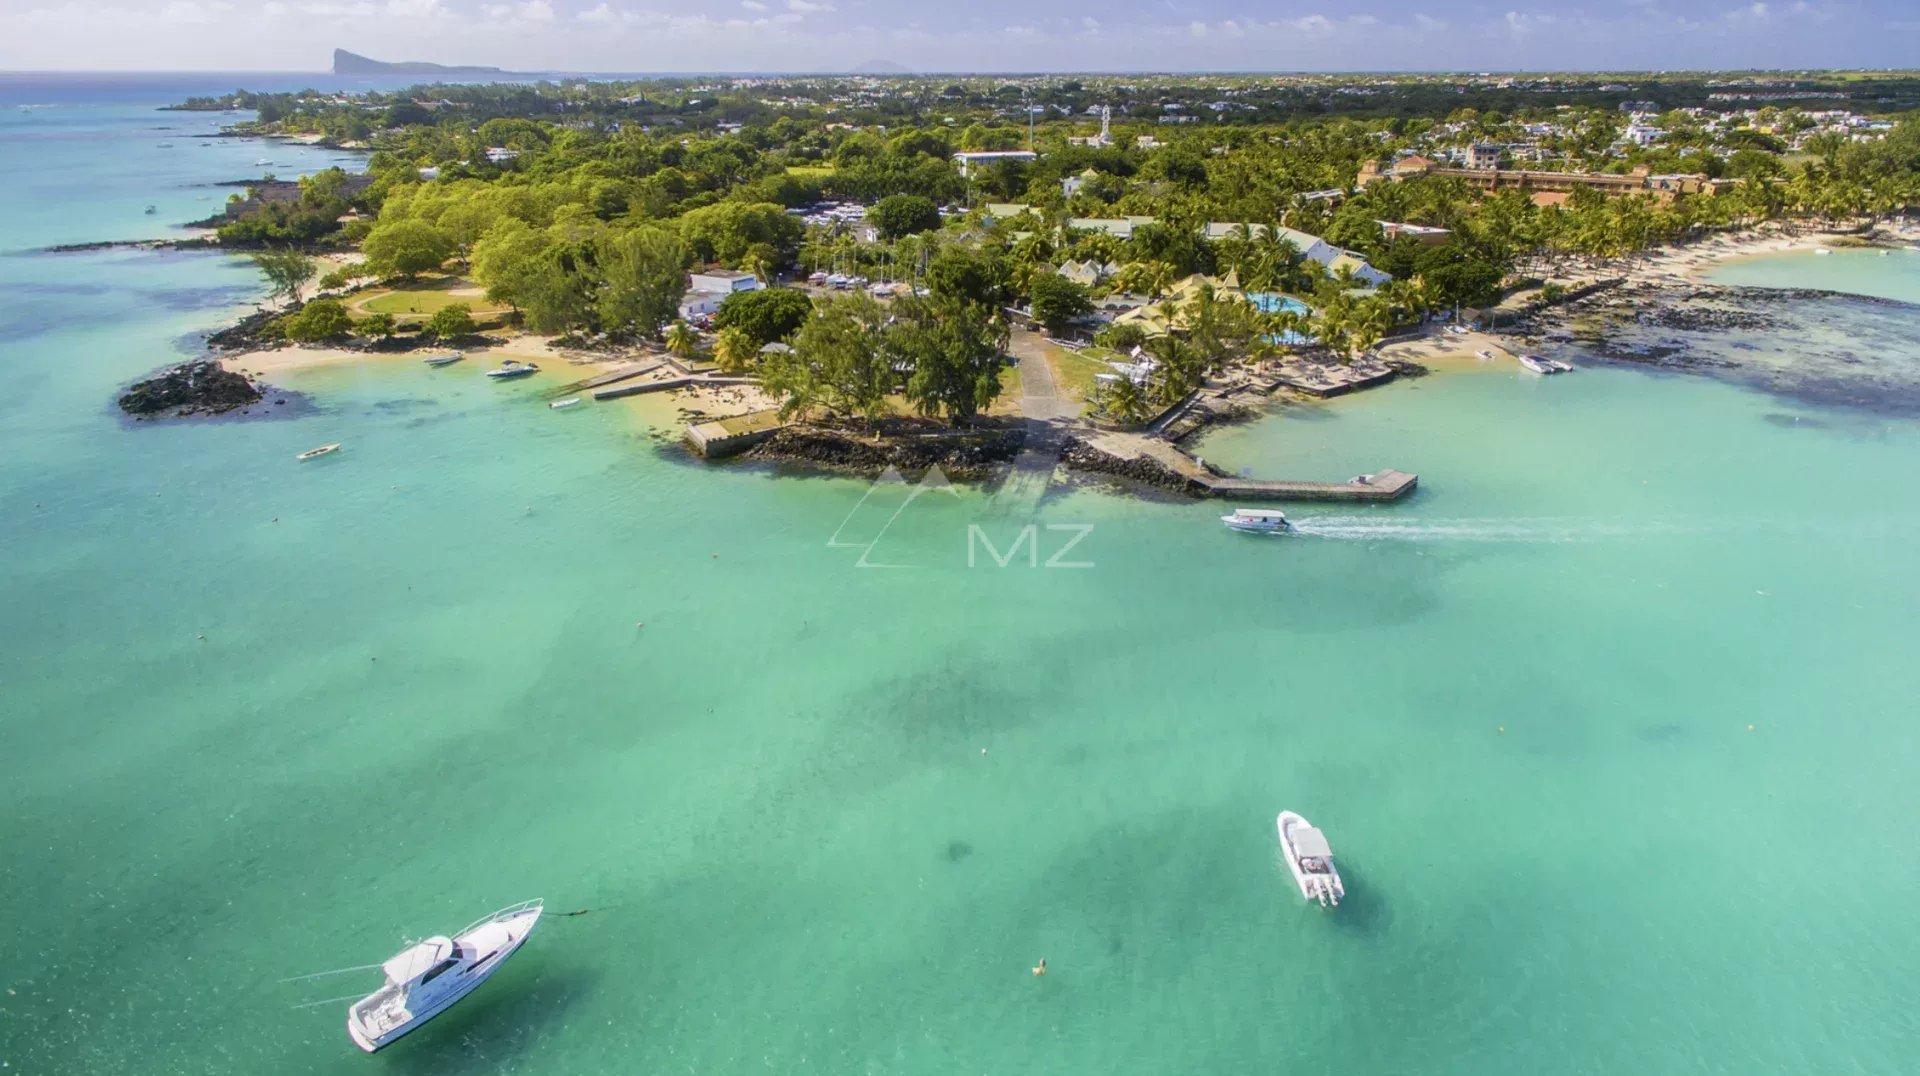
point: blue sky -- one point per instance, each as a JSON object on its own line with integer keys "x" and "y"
{"x": 980, "y": 35}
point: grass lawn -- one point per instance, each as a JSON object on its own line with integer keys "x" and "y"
{"x": 422, "y": 298}
{"x": 815, "y": 170}
{"x": 1074, "y": 373}
{"x": 749, "y": 423}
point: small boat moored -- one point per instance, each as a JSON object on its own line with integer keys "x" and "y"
{"x": 425, "y": 980}
{"x": 1258, "y": 521}
{"x": 559, "y": 405}
{"x": 1484, "y": 355}
{"x": 448, "y": 359}
{"x": 1311, "y": 860}
{"x": 513, "y": 368}
{"x": 321, "y": 451}
{"x": 1540, "y": 364}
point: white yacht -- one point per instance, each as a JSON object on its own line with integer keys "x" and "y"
{"x": 1258, "y": 521}
{"x": 426, "y": 979}
{"x": 1311, "y": 860}
{"x": 1540, "y": 364}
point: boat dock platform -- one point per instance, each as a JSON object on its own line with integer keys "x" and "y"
{"x": 1387, "y": 485}
{"x": 1154, "y": 461}
{"x": 624, "y": 373}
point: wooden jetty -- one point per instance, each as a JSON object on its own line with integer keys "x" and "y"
{"x": 667, "y": 385}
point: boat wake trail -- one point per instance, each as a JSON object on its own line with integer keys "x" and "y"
{"x": 1544, "y": 531}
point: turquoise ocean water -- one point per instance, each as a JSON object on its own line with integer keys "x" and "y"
{"x": 828, "y": 816}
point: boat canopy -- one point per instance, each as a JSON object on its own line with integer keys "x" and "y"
{"x": 416, "y": 961}
{"x": 1308, "y": 841}
{"x": 1259, "y": 513}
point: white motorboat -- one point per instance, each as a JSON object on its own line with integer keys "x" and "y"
{"x": 425, "y": 980}
{"x": 1258, "y": 521}
{"x": 321, "y": 451}
{"x": 513, "y": 368}
{"x": 559, "y": 405}
{"x": 1311, "y": 860}
{"x": 1821, "y": 250}
{"x": 1540, "y": 364}
{"x": 448, "y": 359}
{"x": 1484, "y": 354}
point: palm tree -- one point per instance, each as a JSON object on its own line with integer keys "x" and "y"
{"x": 734, "y": 350}
{"x": 1124, "y": 401}
{"x": 681, "y": 339}
{"x": 755, "y": 262}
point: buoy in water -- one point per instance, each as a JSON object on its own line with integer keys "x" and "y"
{"x": 1040, "y": 968}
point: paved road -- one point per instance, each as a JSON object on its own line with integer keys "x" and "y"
{"x": 1047, "y": 416}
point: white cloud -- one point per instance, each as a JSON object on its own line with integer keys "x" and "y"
{"x": 808, "y": 7}
{"x": 1021, "y": 31}
{"x": 531, "y": 11}
{"x": 753, "y": 5}
{"x": 1313, "y": 24}
{"x": 601, "y": 14}
{"x": 1197, "y": 29}
{"x": 1090, "y": 24}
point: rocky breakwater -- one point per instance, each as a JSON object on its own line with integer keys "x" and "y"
{"x": 201, "y": 387}
{"x": 1079, "y": 455}
{"x": 974, "y": 454}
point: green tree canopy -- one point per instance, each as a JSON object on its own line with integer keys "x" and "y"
{"x": 1058, "y": 301}
{"x": 955, "y": 349}
{"x": 764, "y": 314}
{"x": 450, "y": 321}
{"x": 321, "y": 319}
{"x": 642, "y": 275}
{"x": 287, "y": 271}
{"x": 405, "y": 248}
{"x": 837, "y": 361}
{"x": 978, "y": 276}
{"x": 900, "y": 215}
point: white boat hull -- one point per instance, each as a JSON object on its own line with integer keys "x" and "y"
{"x": 493, "y": 939}
{"x": 1316, "y": 887}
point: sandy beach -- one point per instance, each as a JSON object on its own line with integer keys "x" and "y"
{"x": 553, "y": 361}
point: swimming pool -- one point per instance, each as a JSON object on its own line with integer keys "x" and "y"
{"x": 1272, "y": 303}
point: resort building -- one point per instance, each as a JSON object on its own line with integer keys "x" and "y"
{"x": 970, "y": 160}
{"x": 1483, "y": 156}
{"x": 1639, "y": 181}
{"x": 1433, "y": 237}
{"x": 1088, "y": 273}
{"x": 705, "y": 290}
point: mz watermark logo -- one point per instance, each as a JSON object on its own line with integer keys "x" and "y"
{"x": 892, "y": 489}
{"x": 1029, "y": 536}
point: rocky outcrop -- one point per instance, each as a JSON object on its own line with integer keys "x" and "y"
{"x": 247, "y": 334}
{"x": 202, "y": 387}
{"x": 970, "y": 454}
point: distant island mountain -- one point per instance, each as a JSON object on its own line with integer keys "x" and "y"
{"x": 350, "y": 63}
{"x": 881, "y": 67}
